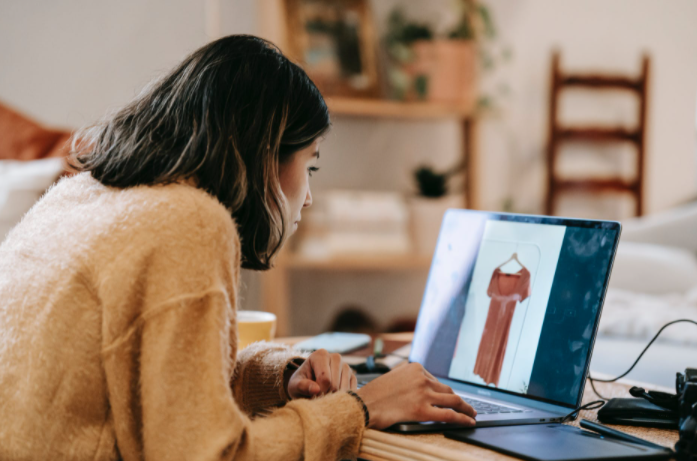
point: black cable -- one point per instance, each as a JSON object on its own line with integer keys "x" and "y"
{"x": 591, "y": 379}
{"x": 594, "y": 405}
{"x": 595, "y": 390}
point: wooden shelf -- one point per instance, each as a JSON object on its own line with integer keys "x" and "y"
{"x": 363, "y": 107}
{"x": 276, "y": 286}
{"x": 361, "y": 263}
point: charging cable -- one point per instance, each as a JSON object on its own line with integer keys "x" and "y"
{"x": 592, "y": 380}
{"x": 594, "y": 405}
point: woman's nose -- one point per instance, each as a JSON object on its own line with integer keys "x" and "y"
{"x": 308, "y": 199}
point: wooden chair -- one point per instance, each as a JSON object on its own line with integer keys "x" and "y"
{"x": 559, "y": 134}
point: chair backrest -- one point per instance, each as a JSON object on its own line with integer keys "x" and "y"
{"x": 559, "y": 134}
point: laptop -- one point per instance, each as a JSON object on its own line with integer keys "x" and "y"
{"x": 510, "y": 313}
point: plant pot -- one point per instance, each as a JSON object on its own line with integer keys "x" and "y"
{"x": 449, "y": 67}
{"x": 426, "y": 215}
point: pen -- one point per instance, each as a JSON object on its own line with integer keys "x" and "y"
{"x": 615, "y": 434}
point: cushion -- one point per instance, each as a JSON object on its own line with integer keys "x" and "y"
{"x": 674, "y": 227}
{"x": 629, "y": 314}
{"x": 653, "y": 269}
{"x": 24, "y": 139}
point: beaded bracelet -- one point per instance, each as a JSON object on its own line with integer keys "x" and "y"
{"x": 365, "y": 408}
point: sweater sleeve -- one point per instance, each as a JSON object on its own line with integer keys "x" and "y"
{"x": 189, "y": 412}
{"x": 168, "y": 359}
{"x": 257, "y": 382}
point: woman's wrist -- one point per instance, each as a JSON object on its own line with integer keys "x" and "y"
{"x": 366, "y": 413}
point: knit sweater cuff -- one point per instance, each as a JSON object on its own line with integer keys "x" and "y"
{"x": 333, "y": 424}
{"x": 258, "y": 382}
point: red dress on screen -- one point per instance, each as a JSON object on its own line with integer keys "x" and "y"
{"x": 505, "y": 291}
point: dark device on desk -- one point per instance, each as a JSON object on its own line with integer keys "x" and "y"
{"x": 369, "y": 370}
{"x": 510, "y": 313}
{"x": 686, "y": 386}
{"x": 662, "y": 410}
{"x": 638, "y": 412}
{"x": 558, "y": 442}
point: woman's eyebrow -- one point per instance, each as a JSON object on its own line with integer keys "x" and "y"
{"x": 317, "y": 154}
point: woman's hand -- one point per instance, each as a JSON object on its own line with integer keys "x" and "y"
{"x": 410, "y": 393}
{"x": 320, "y": 374}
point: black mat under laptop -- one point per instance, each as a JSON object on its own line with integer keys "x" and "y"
{"x": 556, "y": 442}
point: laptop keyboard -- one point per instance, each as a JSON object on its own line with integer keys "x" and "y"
{"x": 488, "y": 408}
{"x": 482, "y": 407}
{"x": 365, "y": 378}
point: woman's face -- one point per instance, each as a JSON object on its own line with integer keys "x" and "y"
{"x": 294, "y": 175}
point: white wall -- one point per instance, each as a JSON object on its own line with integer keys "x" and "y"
{"x": 594, "y": 35}
{"x": 66, "y": 62}
{"x": 603, "y": 35}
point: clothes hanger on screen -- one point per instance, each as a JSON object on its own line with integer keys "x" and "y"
{"x": 514, "y": 256}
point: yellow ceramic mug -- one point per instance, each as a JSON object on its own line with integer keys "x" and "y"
{"x": 253, "y": 326}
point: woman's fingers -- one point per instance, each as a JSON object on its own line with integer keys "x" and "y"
{"x": 321, "y": 368}
{"x": 335, "y": 364}
{"x": 346, "y": 375}
{"x": 440, "y": 387}
{"x": 432, "y": 382}
{"x": 330, "y": 372}
{"x": 354, "y": 382}
{"x": 453, "y": 401}
{"x": 429, "y": 375}
{"x": 308, "y": 388}
{"x": 448, "y": 415}
{"x": 410, "y": 393}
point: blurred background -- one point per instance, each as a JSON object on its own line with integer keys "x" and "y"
{"x": 435, "y": 104}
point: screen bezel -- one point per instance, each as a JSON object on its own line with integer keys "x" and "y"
{"x": 549, "y": 220}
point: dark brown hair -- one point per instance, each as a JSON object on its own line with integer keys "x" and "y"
{"x": 227, "y": 116}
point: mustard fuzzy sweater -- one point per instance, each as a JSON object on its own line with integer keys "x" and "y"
{"x": 118, "y": 338}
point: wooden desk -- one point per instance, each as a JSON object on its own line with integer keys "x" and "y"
{"x": 383, "y": 446}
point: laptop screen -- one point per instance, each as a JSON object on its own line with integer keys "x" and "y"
{"x": 512, "y": 302}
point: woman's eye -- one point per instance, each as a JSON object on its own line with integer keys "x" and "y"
{"x": 312, "y": 169}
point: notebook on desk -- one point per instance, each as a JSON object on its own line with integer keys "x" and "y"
{"x": 510, "y": 312}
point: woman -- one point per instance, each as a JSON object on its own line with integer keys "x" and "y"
{"x": 119, "y": 288}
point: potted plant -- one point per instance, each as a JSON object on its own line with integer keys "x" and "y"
{"x": 406, "y": 76}
{"x": 440, "y": 69}
{"x": 429, "y": 205}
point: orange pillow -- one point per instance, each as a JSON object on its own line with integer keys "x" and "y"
{"x": 24, "y": 139}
